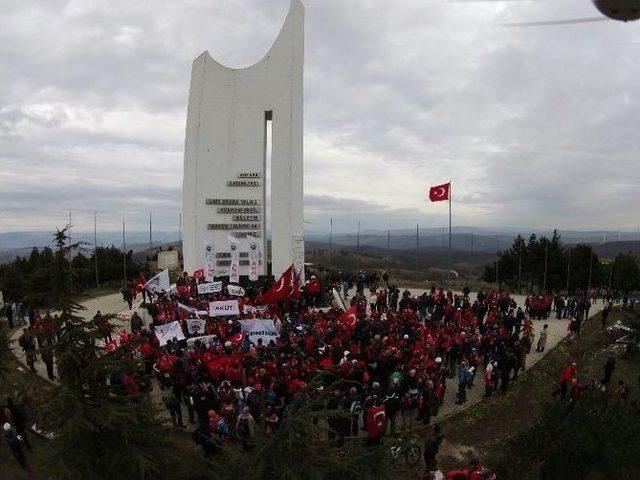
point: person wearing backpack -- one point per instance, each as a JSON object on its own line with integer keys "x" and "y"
{"x": 354, "y": 401}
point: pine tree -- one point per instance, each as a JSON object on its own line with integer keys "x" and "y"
{"x": 299, "y": 448}
{"x": 100, "y": 433}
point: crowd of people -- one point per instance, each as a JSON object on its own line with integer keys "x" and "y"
{"x": 392, "y": 351}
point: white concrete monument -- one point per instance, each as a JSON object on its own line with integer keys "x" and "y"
{"x": 225, "y": 160}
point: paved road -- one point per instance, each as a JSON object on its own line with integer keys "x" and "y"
{"x": 556, "y": 332}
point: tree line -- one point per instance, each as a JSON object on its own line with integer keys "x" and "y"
{"x": 31, "y": 278}
{"x": 540, "y": 264}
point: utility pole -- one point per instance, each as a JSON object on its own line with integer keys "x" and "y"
{"x": 590, "y": 271}
{"x": 124, "y": 253}
{"x": 417, "y": 251}
{"x": 568, "y": 270}
{"x": 180, "y": 228}
{"x": 150, "y": 234}
{"x": 331, "y": 243}
{"x": 519, "y": 266}
{"x": 388, "y": 247}
{"x": 546, "y": 255}
{"x": 95, "y": 245}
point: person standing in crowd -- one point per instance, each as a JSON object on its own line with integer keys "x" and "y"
{"x": 27, "y": 342}
{"x": 604, "y": 315}
{"x": 542, "y": 341}
{"x": 172, "y": 404}
{"x": 463, "y": 379}
{"x": 609, "y": 367}
{"x": 376, "y": 423}
{"x": 431, "y": 448}
{"x": 46, "y": 352}
{"x": 246, "y": 428}
{"x": 8, "y": 311}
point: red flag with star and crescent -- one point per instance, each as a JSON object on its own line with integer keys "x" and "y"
{"x": 280, "y": 289}
{"x": 439, "y": 192}
{"x": 350, "y": 318}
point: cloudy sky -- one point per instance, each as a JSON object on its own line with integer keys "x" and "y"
{"x": 537, "y": 127}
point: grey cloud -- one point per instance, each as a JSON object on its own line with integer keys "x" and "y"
{"x": 536, "y": 127}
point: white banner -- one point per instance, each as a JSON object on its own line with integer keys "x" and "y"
{"x": 246, "y": 309}
{"x": 206, "y": 339}
{"x": 234, "y": 267}
{"x": 209, "y": 261}
{"x": 168, "y": 331}
{"x": 298, "y": 256}
{"x": 224, "y": 308}
{"x": 195, "y": 326}
{"x": 213, "y": 287}
{"x": 160, "y": 283}
{"x": 254, "y": 258}
{"x": 235, "y": 290}
{"x": 260, "y": 329}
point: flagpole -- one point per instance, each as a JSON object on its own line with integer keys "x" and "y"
{"x": 449, "y": 272}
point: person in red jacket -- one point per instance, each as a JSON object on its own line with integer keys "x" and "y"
{"x": 314, "y": 290}
{"x": 567, "y": 376}
{"x": 376, "y": 423}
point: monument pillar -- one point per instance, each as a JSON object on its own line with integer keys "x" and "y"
{"x": 225, "y": 168}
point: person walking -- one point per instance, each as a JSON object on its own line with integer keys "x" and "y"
{"x": 605, "y": 315}
{"x": 567, "y": 376}
{"x": 542, "y": 341}
{"x": 14, "y": 440}
{"x": 18, "y": 417}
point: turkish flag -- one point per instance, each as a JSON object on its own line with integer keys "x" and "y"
{"x": 280, "y": 289}
{"x": 439, "y": 192}
{"x": 349, "y": 318}
{"x": 198, "y": 273}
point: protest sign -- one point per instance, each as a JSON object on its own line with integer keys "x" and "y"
{"x": 260, "y": 329}
{"x": 168, "y": 331}
{"x": 224, "y": 308}
{"x": 235, "y": 290}
{"x": 213, "y": 287}
{"x": 195, "y": 326}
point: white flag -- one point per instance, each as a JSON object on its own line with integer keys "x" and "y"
{"x": 191, "y": 310}
{"x": 209, "y": 261}
{"x": 160, "y": 283}
{"x": 234, "y": 268}
{"x": 254, "y": 258}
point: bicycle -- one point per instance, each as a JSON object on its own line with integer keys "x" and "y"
{"x": 409, "y": 450}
